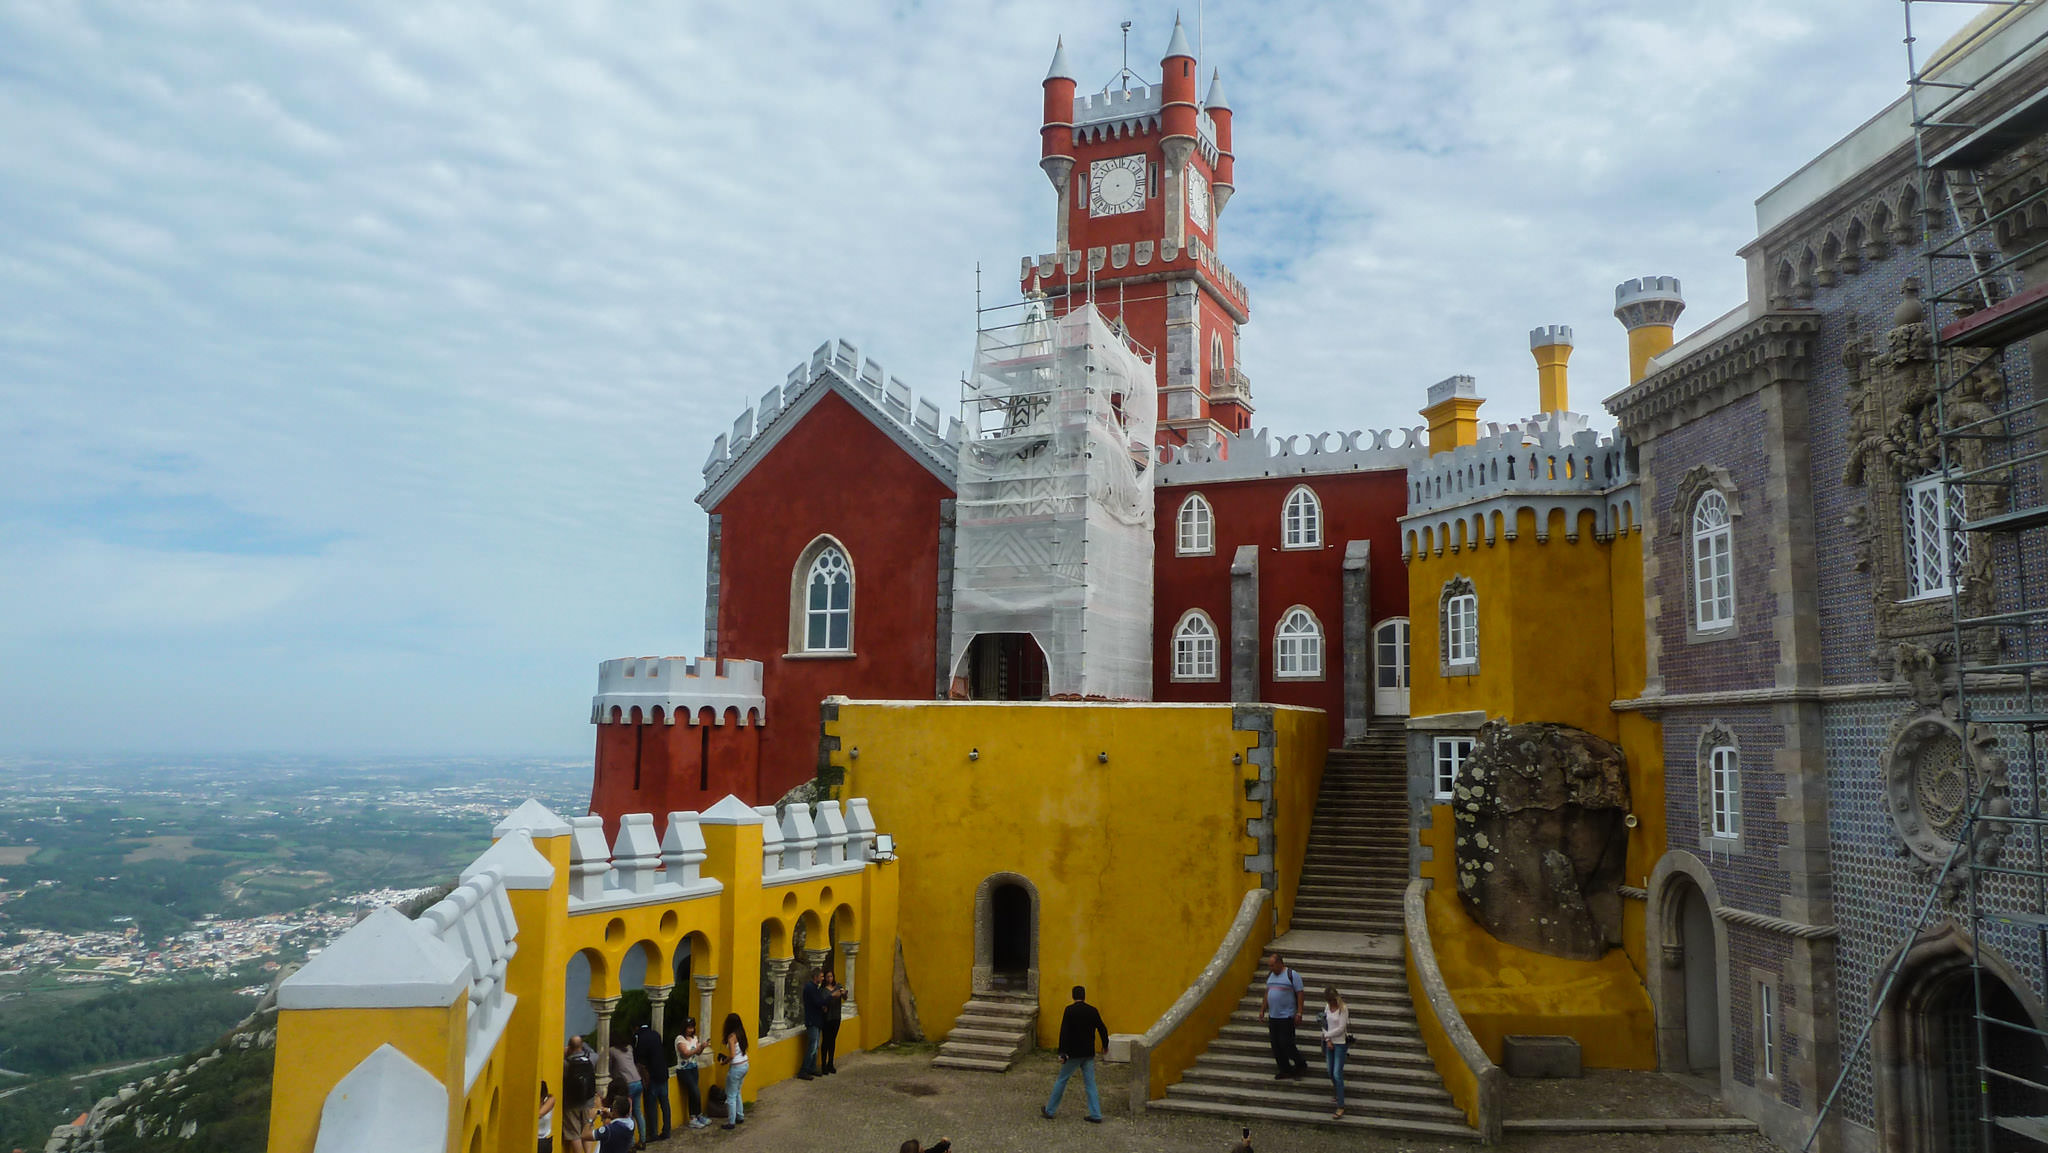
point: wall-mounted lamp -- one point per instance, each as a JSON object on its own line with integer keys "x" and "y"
{"x": 1102, "y": 758}
{"x": 855, "y": 754}
{"x": 1630, "y": 820}
{"x": 1237, "y": 758}
{"x": 974, "y": 754}
{"x": 884, "y": 848}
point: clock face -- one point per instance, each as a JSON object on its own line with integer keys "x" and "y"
{"x": 1198, "y": 199}
{"x": 1116, "y": 186}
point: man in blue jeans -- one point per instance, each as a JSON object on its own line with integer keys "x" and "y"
{"x": 816, "y": 1000}
{"x": 1078, "y": 1030}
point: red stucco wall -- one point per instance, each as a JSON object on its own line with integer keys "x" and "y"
{"x": 1356, "y": 506}
{"x": 836, "y": 473}
{"x": 661, "y": 768}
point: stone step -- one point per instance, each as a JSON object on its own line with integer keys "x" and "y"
{"x": 992, "y": 1007}
{"x": 1312, "y": 1090}
{"x": 1350, "y": 1120}
{"x": 979, "y": 1065}
{"x": 976, "y": 1049}
{"x": 1361, "y": 1085}
{"x": 977, "y": 1035}
{"x": 1420, "y": 1078}
{"x": 1366, "y": 1018}
{"x": 1386, "y": 926}
{"x": 1252, "y": 1045}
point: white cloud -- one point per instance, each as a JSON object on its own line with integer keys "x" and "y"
{"x": 434, "y": 307}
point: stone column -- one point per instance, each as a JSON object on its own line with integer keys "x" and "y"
{"x": 603, "y": 1007}
{"x": 1245, "y": 635}
{"x": 852, "y": 950}
{"x": 657, "y": 996}
{"x": 814, "y": 960}
{"x": 778, "y": 977}
{"x": 1357, "y": 638}
{"x": 707, "y": 984}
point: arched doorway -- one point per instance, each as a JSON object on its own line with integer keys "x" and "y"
{"x": 1005, "y": 667}
{"x": 1928, "y": 1051}
{"x": 1390, "y": 668}
{"x": 1701, "y": 965}
{"x": 1006, "y": 935}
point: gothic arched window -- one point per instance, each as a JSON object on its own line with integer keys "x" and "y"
{"x": 1298, "y": 645}
{"x": 1196, "y": 525}
{"x": 821, "y": 617}
{"x": 1713, "y": 562}
{"x": 1301, "y": 519}
{"x": 1194, "y": 647}
{"x": 1458, "y": 627}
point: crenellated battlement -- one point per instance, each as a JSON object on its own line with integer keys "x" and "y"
{"x": 1114, "y": 114}
{"x": 1077, "y": 263}
{"x": 916, "y": 422}
{"x": 635, "y": 690}
{"x": 1546, "y": 463}
{"x": 1256, "y": 453}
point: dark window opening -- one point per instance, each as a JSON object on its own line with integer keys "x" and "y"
{"x": 1006, "y": 667}
{"x": 1010, "y": 931}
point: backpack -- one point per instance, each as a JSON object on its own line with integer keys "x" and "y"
{"x": 714, "y": 1101}
{"x": 579, "y": 1077}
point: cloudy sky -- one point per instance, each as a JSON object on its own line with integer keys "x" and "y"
{"x": 357, "y": 362}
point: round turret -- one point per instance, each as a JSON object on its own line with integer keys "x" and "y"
{"x": 1648, "y": 307}
{"x": 1218, "y": 107}
{"x": 1177, "y": 110}
{"x": 1056, "y": 137}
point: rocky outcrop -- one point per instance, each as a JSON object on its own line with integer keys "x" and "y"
{"x": 1541, "y": 842}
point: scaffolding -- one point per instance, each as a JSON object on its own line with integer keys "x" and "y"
{"x": 1054, "y": 523}
{"x": 1977, "y": 110}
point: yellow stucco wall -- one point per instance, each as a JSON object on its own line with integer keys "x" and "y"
{"x": 316, "y": 1048}
{"x": 1561, "y": 637}
{"x": 1138, "y": 861}
{"x": 1502, "y": 989}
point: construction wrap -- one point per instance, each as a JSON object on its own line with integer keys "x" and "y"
{"x": 1053, "y": 533}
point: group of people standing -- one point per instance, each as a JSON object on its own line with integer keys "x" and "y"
{"x": 640, "y": 1067}
{"x": 1283, "y": 1011}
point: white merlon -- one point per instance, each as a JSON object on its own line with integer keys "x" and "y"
{"x": 799, "y": 839}
{"x": 860, "y": 829}
{"x": 388, "y": 1101}
{"x": 771, "y": 842}
{"x": 1256, "y": 453}
{"x": 1049, "y": 264}
{"x": 535, "y": 818}
{"x": 832, "y": 835}
{"x": 1060, "y": 69}
{"x": 730, "y": 811}
{"x": 520, "y": 864}
{"x": 1549, "y": 335}
{"x": 682, "y": 849}
{"x": 590, "y": 859}
{"x": 387, "y": 961}
{"x": 636, "y": 854}
{"x": 672, "y": 686}
{"x": 1547, "y": 462}
{"x": 1463, "y": 387}
{"x": 837, "y": 365}
{"x": 640, "y": 868}
{"x": 477, "y": 919}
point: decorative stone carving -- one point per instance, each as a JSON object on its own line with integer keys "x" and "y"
{"x": 1934, "y": 770}
{"x": 1894, "y": 440}
{"x": 1541, "y": 841}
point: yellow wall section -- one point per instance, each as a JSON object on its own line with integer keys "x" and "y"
{"x": 1453, "y": 423}
{"x": 316, "y": 1048}
{"x": 1503, "y": 989}
{"x": 1138, "y": 862}
{"x": 1644, "y": 342}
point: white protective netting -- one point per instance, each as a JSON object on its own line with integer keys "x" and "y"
{"x": 1053, "y": 534}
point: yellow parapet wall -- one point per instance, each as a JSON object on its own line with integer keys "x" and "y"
{"x": 1138, "y": 828}
{"x": 1502, "y": 989}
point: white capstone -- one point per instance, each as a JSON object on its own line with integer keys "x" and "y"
{"x": 535, "y": 818}
{"x": 520, "y": 864}
{"x": 387, "y": 961}
{"x": 386, "y": 1102}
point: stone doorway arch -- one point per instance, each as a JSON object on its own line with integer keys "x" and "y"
{"x": 1689, "y": 985}
{"x": 1927, "y": 1051}
{"x": 1006, "y": 935}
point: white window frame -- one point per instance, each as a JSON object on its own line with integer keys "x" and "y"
{"x": 1451, "y": 754}
{"x": 1932, "y": 547}
{"x": 1461, "y": 629}
{"x": 1297, "y": 651}
{"x": 1724, "y": 793}
{"x": 817, "y": 555}
{"x": 1713, "y": 563}
{"x": 1189, "y": 637}
{"x": 1766, "y": 1030}
{"x": 1195, "y": 527}
{"x": 1301, "y": 519}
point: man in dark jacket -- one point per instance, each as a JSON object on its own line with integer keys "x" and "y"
{"x": 816, "y": 1001}
{"x": 652, "y": 1057}
{"x": 1078, "y": 1030}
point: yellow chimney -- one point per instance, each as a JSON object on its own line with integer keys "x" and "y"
{"x": 1648, "y": 307}
{"x": 1552, "y": 346}
{"x": 1453, "y": 414}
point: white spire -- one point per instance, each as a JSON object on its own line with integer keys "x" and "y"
{"x": 1178, "y": 46}
{"x": 1216, "y": 99}
{"x": 1060, "y": 69}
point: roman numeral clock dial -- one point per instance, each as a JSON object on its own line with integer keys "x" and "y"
{"x": 1116, "y": 186}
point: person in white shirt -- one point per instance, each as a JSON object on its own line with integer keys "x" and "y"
{"x": 690, "y": 1048}
{"x": 1336, "y": 1040}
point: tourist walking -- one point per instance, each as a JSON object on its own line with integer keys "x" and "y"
{"x": 815, "y": 1000}
{"x": 652, "y": 1058}
{"x": 735, "y": 1057}
{"x": 1280, "y": 1010}
{"x": 828, "y": 1052}
{"x": 690, "y": 1050}
{"x": 627, "y": 1074}
{"x": 1336, "y": 1040}
{"x": 1078, "y": 1030}
{"x": 579, "y": 1095}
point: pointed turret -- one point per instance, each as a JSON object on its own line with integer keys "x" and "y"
{"x": 1178, "y": 46}
{"x": 1218, "y": 107}
{"x": 1056, "y": 135}
{"x": 1177, "y": 111}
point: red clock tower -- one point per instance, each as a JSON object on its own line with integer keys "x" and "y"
{"x": 1142, "y": 176}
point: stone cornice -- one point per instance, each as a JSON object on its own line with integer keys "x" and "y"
{"x": 1773, "y": 349}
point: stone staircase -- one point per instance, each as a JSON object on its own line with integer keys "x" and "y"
{"x": 1346, "y": 932}
{"x": 991, "y": 1032}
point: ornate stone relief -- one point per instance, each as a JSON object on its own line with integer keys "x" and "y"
{"x": 1696, "y": 481}
{"x": 1934, "y": 769}
{"x": 1893, "y": 441}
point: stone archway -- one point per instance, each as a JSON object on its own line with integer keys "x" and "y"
{"x": 1927, "y": 1052}
{"x": 1006, "y": 935}
{"x": 1688, "y": 947}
